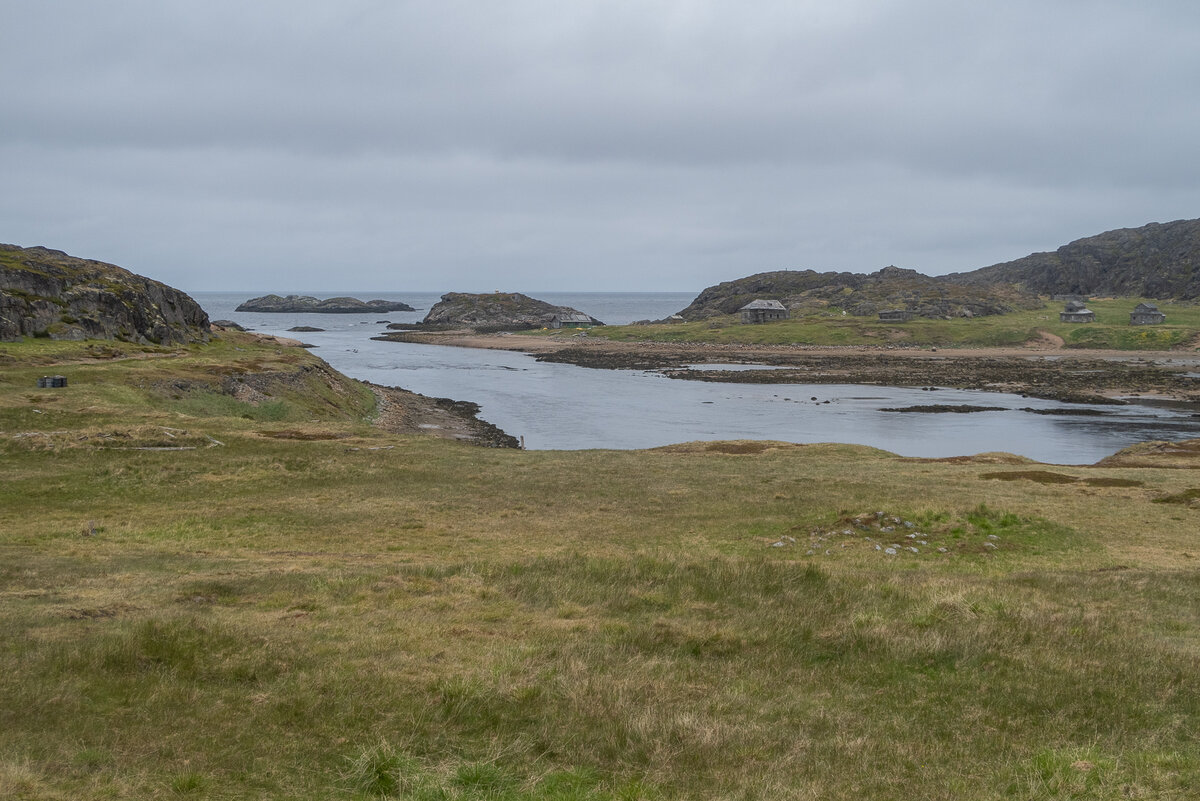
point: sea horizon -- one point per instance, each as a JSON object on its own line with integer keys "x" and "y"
{"x": 612, "y": 308}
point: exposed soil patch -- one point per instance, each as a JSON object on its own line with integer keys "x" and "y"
{"x": 1187, "y": 498}
{"x": 1048, "y": 340}
{"x": 1036, "y": 476}
{"x": 303, "y": 435}
{"x": 1050, "y": 477}
{"x": 142, "y": 438}
{"x": 1101, "y": 481}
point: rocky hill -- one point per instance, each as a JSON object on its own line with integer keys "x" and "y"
{"x": 1159, "y": 260}
{"x": 46, "y": 293}
{"x": 496, "y": 310}
{"x": 306, "y": 303}
{"x": 860, "y": 294}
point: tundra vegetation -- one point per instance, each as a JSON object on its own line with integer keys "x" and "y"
{"x": 291, "y": 603}
{"x": 831, "y": 326}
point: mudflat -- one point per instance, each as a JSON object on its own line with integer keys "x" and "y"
{"x": 1044, "y": 369}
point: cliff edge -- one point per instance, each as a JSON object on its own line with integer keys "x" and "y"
{"x": 47, "y": 293}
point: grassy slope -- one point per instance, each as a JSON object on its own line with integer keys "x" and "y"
{"x": 286, "y": 618}
{"x": 1111, "y": 329}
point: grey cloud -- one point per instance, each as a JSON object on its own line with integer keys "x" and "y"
{"x": 647, "y": 144}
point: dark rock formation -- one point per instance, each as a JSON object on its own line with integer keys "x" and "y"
{"x": 46, "y": 293}
{"x": 859, "y": 294}
{"x": 306, "y": 303}
{"x": 495, "y": 311}
{"x": 1159, "y": 260}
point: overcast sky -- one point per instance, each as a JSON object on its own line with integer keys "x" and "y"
{"x": 574, "y": 145}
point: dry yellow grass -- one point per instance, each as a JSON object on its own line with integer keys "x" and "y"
{"x": 321, "y": 610}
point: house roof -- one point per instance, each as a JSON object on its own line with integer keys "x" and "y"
{"x": 1145, "y": 307}
{"x": 772, "y": 305}
{"x": 571, "y": 317}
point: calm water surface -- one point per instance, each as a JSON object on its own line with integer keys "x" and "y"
{"x": 561, "y": 406}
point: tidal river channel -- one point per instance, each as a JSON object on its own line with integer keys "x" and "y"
{"x": 565, "y": 407}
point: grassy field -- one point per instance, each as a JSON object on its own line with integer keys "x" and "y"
{"x": 1111, "y": 329}
{"x": 300, "y": 606}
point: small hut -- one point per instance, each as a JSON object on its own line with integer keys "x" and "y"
{"x": 571, "y": 320}
{"x": 763, "y": 311}
{"x": 1146, "y": 314}
{"x": 895, "y": 315}
{"x": 1076, "y": 312}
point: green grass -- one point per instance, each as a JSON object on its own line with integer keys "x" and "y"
{"x": 290, "y": 618}
{"x": 1111, "y": 329}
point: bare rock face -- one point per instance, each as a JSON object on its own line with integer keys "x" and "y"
{"x": 46, "y": 293}
{"x": 306, "y": 303}
{"x": 1158, "y": 260}
{"x": 496, "y": 310}
{"x": 860, "y": 294}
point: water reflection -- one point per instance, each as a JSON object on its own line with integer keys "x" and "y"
{"x": 561, "y": 406}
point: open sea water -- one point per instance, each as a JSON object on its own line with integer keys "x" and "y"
{"x": 564, "y": 407}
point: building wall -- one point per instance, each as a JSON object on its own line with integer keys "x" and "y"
{"x": 1146, "y": 318}
{"x": 762, "y": 315}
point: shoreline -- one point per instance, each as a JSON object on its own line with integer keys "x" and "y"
{"x": 1047, "y": 371}
{"x": 401, "y": 411}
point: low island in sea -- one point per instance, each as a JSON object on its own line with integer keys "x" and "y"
{"x": 272, "y": 304}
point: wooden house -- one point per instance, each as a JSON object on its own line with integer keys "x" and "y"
{"x": 571, "y": 320}
{"x": 763, "y": 311}
{"x": 1146, "y": 314}
{"x": 1076, "y": 312}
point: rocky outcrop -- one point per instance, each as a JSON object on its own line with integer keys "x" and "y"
{"x": 859, "y": 294}
{"x": 496, "y": 310}
{"x": 306, "y": 303}
{"x": 46, "y": 293}
{"x": 1159, "y": 260}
